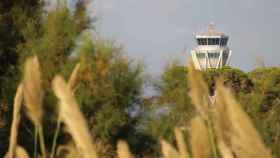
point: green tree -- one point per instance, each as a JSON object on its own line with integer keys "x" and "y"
{"x": 82, "y": 20}
{"x": 171, "y": 108}
{"x": 13, "y": 15}
{"x": 264, "y": 105}
{"x": 238, "y": 80}
{"x": 110, "y": 87}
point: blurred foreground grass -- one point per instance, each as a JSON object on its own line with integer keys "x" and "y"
{"x": 220, "y": 129}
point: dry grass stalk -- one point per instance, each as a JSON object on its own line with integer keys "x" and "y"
{"x": 201, "y": 147}
{"x": 198, "y": 91}
{"x": 123, "y": 150}
{"x": 168, "y": 151}
{"x": 16, "y": 119}
{"x": 73, "y": 80}
{"x": 73, "y": 118}
{"x": 239, "y": 135}
{"x": 181, "y": 143}
{"x": 32, "y": 90}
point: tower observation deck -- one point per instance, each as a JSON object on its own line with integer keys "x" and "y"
{"x": 211, "y": 50}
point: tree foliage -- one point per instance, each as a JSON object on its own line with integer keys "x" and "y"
{"x": 110, "y": 85}
{"x": 234, "y": 78}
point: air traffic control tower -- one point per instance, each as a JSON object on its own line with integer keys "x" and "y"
{"x": 211, "y": 50}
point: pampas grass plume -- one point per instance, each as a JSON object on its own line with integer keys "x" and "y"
{"x": 181, "y": 143}
{"x": 168, "y": 151}
{"x": 200, "y": 144}
{"x": 16, "y": 119}
{"x": 32, "y": 90}
{"x": 198, "y": 91}
{"x": 242, "y": 137}
{"x": 21, "y": 152}
{"x": 123, "y": 150}
{"x": 73, "y": 80}
{"x": 73, "y": 118}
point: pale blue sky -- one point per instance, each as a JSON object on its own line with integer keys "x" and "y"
{"x": 156, "y": 31}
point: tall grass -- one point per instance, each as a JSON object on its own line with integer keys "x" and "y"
{"x": 33, "y": 96}
{"x": 73, "y": 118}
{"x": 235, "y": 129}
{"x": 220, "y": 129}
{"x": 72, "y": 85}
{"x": 123, "y": 150}
{"x": 181, "y": 144}
{"x": 16, "y": 119}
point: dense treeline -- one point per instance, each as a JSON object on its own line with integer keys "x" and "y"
{"x": 110, "y": 85}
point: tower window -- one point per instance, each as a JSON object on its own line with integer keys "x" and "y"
{"x": 199, "y": 41}
{"x": 213, "y": 41}
{"x": 217, "y": 41}
{"x": 213, "y": 55}
{"x": 200, "y": 55}
{"x": 202, "y": 41}
{"x": 224, "y": 41}
{"x": 225, "y": 55}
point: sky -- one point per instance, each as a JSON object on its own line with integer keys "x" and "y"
{"x": 157, "y": 31}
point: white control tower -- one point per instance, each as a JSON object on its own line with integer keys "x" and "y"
{"x": 211, "y": 50}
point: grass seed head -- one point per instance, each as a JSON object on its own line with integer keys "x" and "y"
{"x": 73, "y": 118}
{"x": 168, "y": 151}
{"x": 198, "y": 91}
{"x": 181, "y": 143}
{"x": 21, "y": 152}
{"x": 239, "y": 134}
{"x": 73, "y": 80}
{"x": 200, "y": 144}
{"x": 32, "y": 90}
{"x": 123, "y": 150}
{"x": 16, "y": 119}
